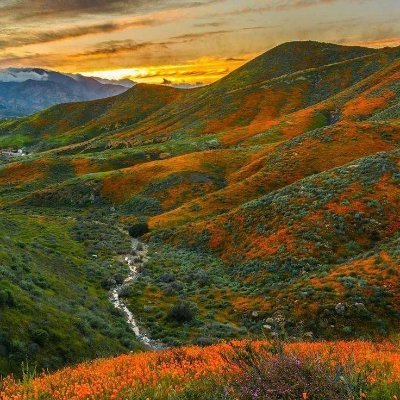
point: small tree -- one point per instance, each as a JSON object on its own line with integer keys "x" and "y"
{"x": 40, "y": 336}
{"x": 6, "y": 298}
{"x": 181, "y": 312}
{"x": 138, "y": 229}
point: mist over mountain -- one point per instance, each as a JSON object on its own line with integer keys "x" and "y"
{"x": 119, "y": 82}
{"x": 24, "y": 91}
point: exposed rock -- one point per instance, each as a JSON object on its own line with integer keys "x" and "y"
{"x": 340, "y": 308}
{"x": 254, "y": 314}
{"x": 267, "y": 327}
{"x": 308, "y": 335}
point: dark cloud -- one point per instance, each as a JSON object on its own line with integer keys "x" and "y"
{"x": 107, "y": 49}
{"x": 8, "y": 40}
{"x": 119, "y": 46}
{"x": 23, "y": 19}
{"x": 209, "y": 24}
{"x": 200, "y": 35}
{"x": 235, "y": 59}
{"x": 113, "y": 47}
{"x": 18, "y": 10}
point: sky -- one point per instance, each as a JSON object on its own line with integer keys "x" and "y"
{"x": 182, "y": 41}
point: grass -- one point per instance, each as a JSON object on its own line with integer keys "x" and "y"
{"x": 53, "y": 303}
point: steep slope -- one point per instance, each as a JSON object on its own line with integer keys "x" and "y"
{"x": 310, "y": 205}
{"x": 305, "y": 248}
{"x": 307, "y": 154}
{"x": 288, "y": 58}
{"x": 255, "y": 107}
{"x": 54, "y": 305}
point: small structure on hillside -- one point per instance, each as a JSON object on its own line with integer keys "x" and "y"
{"x": 12, "y": 153}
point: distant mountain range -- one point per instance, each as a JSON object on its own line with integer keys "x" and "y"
{"x": 24, "y": 91}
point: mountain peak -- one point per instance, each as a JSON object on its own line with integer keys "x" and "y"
{"x": 290, "y": 57}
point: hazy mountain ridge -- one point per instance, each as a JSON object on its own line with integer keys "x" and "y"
{"x": 27, "y": 90}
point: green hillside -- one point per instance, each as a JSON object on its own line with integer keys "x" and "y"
{"x": 271, "y": 193}
{"x": 54, "y": 303}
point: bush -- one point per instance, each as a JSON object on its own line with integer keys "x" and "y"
{"x": 142, "y": 206}
{"x": 40, "y": 336}
{"x": 108, "y": 283}
{"x": 138, "y": 229}
{"x": 286, "y": 377}
{"x": 6, "y": 298}
{"x": 181, "y": 312}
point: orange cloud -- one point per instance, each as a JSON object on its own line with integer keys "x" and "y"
{"x": 205, "y": 70}
{"x": 387, "y": 42}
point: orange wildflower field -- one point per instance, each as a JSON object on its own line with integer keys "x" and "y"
{"x": 121, "y": 377}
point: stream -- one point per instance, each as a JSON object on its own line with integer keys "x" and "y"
{"x": 135, "y": 261}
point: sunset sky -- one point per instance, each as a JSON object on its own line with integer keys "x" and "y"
{"x": 179, "y": 40}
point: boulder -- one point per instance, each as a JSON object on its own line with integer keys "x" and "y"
{"x": 340, "y": 308}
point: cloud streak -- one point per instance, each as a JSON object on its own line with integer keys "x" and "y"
{"x": 28, "y": 9}
{"x": 119, "y": 46}
{"x": 34, "y": 37}
{"x": 114, "y": 47}
{"x": 283, "y": 5}
{"x": 19, "y": 14}
{"x": 202, "y": 35}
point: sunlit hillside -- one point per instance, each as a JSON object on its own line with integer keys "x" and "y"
{"x": 339, "y": 370}
{"x": 271, "y": 193}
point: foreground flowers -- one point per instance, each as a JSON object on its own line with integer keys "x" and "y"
{"x": 132, "y": 376}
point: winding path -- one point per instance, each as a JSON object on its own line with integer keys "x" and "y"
{"x": 135, "y": 261}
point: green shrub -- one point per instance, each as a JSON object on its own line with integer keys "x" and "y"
{"x": 40, "y": 336}
{"x": 181, "y": 312}
{"x": 6, "y": 298}
{"x": 138, "y": 229}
